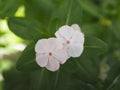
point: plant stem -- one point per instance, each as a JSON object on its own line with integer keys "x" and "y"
{"x": 69, "y": 12}
{"x": 57, "y": 75}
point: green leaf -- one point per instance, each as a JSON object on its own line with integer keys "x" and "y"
{"x": 39, "y": 9}
{"x": 113, "y": 77}
{"x": 88, "y": 6}
{"x": 59, "y": 80}
{"x": 26, "y": 62}
{"x": 58, "y": 16}
{"x": 67, "y": 77}
{"x": 65, "y": 12}
{"x": 116, "y": 28}
{"x": 100, "y": 31}
{"x": 47, "y": 80}
{"x": 94, "y": 29}
{"x": 94, "y": 47}
{"x": 17, "y": 80}
{"x": 27, "y": 29}
{"x": 9, "y": 7}
{"x": 76, "y": 84}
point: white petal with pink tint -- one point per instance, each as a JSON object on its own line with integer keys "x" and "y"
{"x": 70, "y": 36}
{"x": 42, "y": 59}
{"x": 76, "y": 27}
{"x": 47, "y": 51}
{"x": 78, "y": 37}
{"x": 41, "y": 46}
{"x": 53, "y": 64}
{"x": 54, "y": 43}
{"x": 61, "y": 52}
{"x": 65, "y": 32}
{"x": 75, "y": 50}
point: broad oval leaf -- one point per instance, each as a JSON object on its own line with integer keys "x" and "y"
{"x": 26, "y": 29}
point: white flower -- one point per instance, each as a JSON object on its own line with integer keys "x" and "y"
{"x": 50, "y": 54}
{"x": 72, "y": 38}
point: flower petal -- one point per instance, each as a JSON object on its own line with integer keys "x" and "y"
{"x": 75, "y": 50}
{"x": 61, "y": 55}
{"x": 78, "y": 37}
{"x": 65, "y": 32}
{"x": 42, "y": 59}
{"x": 76, "y": 27}
{"x": 60, "y": 38}
{"x": 54, "y": 43}
{"x": 53, "y": 64}
{"x": 41, "y": 46}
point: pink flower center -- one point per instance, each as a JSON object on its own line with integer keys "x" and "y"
{"x": 68, "y": 41}
{"x": 50, "y": 53}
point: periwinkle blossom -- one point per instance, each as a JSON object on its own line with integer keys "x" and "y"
{"x": 72, "y": 38}
{"x": 50, "y": 53}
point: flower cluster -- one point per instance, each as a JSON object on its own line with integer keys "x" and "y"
{"x": 52, "y": 52}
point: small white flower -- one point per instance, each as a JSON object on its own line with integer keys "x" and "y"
{"x": 50, "y": 54}
{"x": 72, "y": 38}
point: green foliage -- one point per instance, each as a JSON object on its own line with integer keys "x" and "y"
{"x": 29, "y": 30}
{"x": 9, "y": 7}
{"x": 27, "y": 60}
{"x": 95, "y": 45}
{"x": 99, "y": 21}
{"x": 90, "y": 7}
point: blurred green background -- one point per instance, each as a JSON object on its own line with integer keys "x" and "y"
{"x": 24, "y": 21}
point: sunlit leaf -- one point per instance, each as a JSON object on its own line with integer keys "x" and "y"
{"x": 27, "y": 29}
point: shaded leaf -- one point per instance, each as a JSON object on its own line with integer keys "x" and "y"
{"x": 9, "y": 7}
{"x": 116, "y": 28}
{"x": 88, "y": 6}
{"x": 27, "y": 62}
{"x": 47, "y": 80}
{"x": 66, "y": 12}
{"x": 40, "y": 10}
{"x": 113, "y": 76}
{"x": 94, "y": 47}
